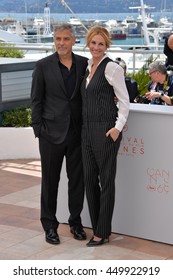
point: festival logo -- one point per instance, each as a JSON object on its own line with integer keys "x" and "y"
{"x": 158, "y": 180}
{"x": 130, "y": 144}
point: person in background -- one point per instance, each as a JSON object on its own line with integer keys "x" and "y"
{"x": 167, "y": 99}
{"x": 131, "y": 84}
{"x": 56, "y": 121}
{"x": 161, "y": 84}
{"x": 168, "y": 51}
{"x": 102, "y": 128}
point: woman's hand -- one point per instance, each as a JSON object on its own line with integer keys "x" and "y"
{"x": 113, "y": 133}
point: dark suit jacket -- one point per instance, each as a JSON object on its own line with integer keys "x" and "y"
{"x": 169, "y": 53}
{"x": 52, "y": 109}
{"x": 132, "y": 88}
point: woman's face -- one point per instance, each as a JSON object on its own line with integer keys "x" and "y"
{"x": 97, "y": 47}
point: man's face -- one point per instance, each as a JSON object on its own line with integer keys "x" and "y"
{"x": 157, "y": 77}
{"x": 64, "y": 41}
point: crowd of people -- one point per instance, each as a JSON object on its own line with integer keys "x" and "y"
{"x": 79, "y": 109}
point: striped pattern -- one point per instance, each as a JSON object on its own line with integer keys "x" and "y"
{"x": 99, "y": 152}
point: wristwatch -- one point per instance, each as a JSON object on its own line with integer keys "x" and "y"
{"x": 162, "y": 94}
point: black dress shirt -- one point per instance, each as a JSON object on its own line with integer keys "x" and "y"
{"x": 69, "y": 77}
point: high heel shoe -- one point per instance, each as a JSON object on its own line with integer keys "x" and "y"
{"x": 93, "y": 243}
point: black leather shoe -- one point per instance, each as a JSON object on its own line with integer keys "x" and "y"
{"x": 78, "y": 233}
{"x": 93, "y": 243}
{"x": 52, "y": 236}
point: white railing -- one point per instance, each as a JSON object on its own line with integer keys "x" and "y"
{"x": 135, "y": 57}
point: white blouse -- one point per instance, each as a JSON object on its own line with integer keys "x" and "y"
{"x": 115, "y": 76}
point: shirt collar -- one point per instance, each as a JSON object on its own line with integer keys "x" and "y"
{"x": 73, "y": 58}
{"x": 90, "y": 61}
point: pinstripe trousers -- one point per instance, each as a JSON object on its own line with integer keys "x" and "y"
{"x": 99, "y": 161}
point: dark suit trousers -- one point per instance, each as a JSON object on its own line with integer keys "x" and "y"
{"x": 51, "y": 162}
{"x": 99, "y": 161}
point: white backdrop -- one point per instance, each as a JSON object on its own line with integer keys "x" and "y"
{"x": 144, "y": 182}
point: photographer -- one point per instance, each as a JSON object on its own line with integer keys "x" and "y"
{"x": 160, "y": 88}
{"x": 168, "y": 51}
{"x": 131, "y": 84}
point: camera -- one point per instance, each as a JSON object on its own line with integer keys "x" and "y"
{"x": 142, "y": 99}
{"x": 169, "y": 68}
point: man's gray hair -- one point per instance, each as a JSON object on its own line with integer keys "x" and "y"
{"x": 158, "y": 66}
{"x": 64, "y": 26}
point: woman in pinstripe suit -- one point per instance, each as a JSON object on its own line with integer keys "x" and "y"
{"x": 103, "y": 122}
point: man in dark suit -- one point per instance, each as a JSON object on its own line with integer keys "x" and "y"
{"x": 131, "y": 84}
{"x": 168, "y": 51}
{"x": 56, "y": 120}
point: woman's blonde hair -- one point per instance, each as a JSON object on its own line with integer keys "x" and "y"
{"x": 98, "y": 30}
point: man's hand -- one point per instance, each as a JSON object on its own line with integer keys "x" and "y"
{"x": 151, "y": 95}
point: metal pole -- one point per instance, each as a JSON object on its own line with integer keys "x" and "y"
{"x": 65, "y": 4}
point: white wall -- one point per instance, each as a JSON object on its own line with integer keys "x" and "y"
{"x": 144, "y": 183}
{"x": 18, "y": 143}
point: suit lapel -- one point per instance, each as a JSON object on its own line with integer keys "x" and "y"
{"x": 78, "y": 71}
{"x": 57, "y": 72}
